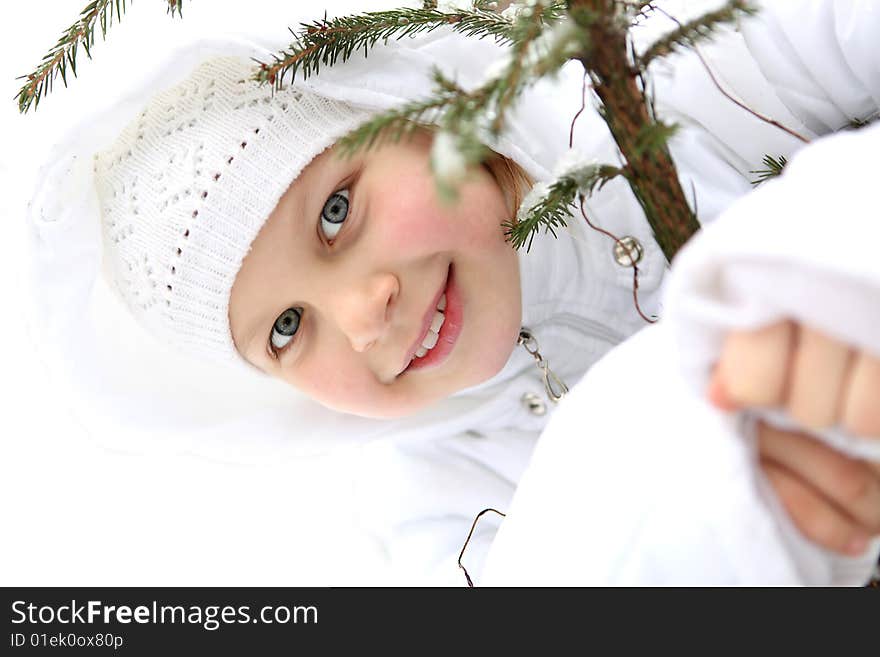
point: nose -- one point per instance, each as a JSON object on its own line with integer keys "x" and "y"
{"x": 363, "y": 310}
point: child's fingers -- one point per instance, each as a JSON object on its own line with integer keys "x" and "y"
{"x": 860, "y": 413}
{"x": 847, "y": 485}
{"x": 815, "y": 517}
{"x": 816, "y": 384}
{"x": 753, "y": 367}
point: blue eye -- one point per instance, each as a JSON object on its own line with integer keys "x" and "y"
{"x": 285, "y": 327}
{"x": 334, "y": 213}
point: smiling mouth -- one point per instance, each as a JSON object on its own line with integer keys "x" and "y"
{"x": 441, "y": 327}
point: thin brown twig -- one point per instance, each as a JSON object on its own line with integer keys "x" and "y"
{"x": 583, "y": 105}
{"x": 650, "y": 320}
{"x": 467, "y": 540}
{"x": 619, "y": 242}
{"x": 727, "y": 95}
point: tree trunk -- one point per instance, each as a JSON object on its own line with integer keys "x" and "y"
{"x": 650, "y": 171}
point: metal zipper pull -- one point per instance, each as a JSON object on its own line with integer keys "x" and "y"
{"x": 553, "y": 385}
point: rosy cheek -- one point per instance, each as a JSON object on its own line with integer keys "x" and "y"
{"x": 335, "y": 382}
{"x": 418, "y": 215}
{"x": 411, "y": 221}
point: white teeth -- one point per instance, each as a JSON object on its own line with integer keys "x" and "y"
{"x": 431, "y": 337}
{"x": 437, "y": 322}
{"x": 430, "y": 340}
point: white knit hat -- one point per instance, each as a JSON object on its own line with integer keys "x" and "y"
{"x": 187, "y": 186}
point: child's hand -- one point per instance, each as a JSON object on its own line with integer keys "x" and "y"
{"x": 834, "y": 500}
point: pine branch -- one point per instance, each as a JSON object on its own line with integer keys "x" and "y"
{"x": 772, "y": 167}
{"x": 552, "y": 207}
{"x": 478, "y": 114}
{"x": 534, "y": 54}
{"x": 687, "y": 35}
{"x": 394, "y": 124}
{"x": 64, "y": 52}
{"x": 325, "y": 42}
{"x": 467, "y": 119}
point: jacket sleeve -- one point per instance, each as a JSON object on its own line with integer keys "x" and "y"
{"x": 820, "y": 56}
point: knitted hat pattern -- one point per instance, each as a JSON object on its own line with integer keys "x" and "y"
{"x": 187, "y": 186}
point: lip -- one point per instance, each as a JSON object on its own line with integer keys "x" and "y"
{"x": 449, "y": 332}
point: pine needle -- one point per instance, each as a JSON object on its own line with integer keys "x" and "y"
{"x": 772, "y": 167}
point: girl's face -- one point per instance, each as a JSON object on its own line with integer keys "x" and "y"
{"x": 339, "y": 293}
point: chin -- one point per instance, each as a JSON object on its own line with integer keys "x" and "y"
{"x": 380, "y": 412}
{"x": 388, "y": 414}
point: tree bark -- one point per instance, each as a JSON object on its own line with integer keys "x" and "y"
{"x": 649, "y": 171}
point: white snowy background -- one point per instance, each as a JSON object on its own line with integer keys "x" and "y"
{"x": 76, "y": 512}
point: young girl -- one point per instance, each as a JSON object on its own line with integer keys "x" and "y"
{"x": 232, "y": 229}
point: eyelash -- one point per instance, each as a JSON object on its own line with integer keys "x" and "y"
{"x": 276, "y": 352}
